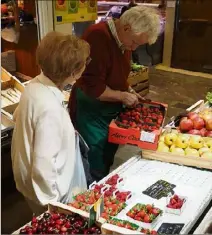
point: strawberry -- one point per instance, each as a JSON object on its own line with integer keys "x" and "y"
{"x": 173, "y": 201}
{"x": 155, "y": 211}
{"x": 176, "y": 197}
{"x": 153, "y": 232}
{"x": 137, "y": 218}
{"x": 142, "y": 214}
{"x": 149, "y": 208}
{"x": 147, "y": 219}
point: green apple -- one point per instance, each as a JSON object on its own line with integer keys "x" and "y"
{"x": 162, "y": 147}
{"x": 196, "y": 142}
{"x": 170, "y": 138}
{"x": 203, "y": 150}
{"x": 207, "y": 155}
{"x": 209, "y": 144}
{"x": 191, "y": 152}
{"x": 182, "y": 141}
{"x": 176, "y": 150}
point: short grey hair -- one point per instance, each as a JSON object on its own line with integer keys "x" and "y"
{"x": 143, "y": 19}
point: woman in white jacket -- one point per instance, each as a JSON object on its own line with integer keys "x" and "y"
{"x": 46, "y": 158}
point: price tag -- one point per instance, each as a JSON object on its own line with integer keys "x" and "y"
{"x": 147, "y": 137}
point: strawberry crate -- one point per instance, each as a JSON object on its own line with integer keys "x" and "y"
{"x": 139, "y": 126}
{"x": 175, "y": 204}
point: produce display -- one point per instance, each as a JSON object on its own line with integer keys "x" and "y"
{"x": 114, "y": 180}
{"x": 185, "y": 144}
{"x": 10, "y": 96}
{"x": 197, "y": 123}
{"x": 144, "y": 213}
{"x": 148, "y": 118}
{"x": 175, "y": 202}
{"x": 56, "y": 223}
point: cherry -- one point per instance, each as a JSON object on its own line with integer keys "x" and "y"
{"x": 63, "y": 229}
{"x": 46, "y": 215}
{"x": 39, "y": 228}
{"x": 55, "y": 216}
{"x": 50, "y": 230}
{"x": 34, "y": 220}
{"x": 67, "y": 224}
{"x": 56, "y": 231}
{"x": 34, "y": 230}
{"x": 59, "y": 221}
{"x": 52, "y": 222}
{"x": 58, "y": 226}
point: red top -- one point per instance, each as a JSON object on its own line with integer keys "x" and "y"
{"x": 108, "y": 67}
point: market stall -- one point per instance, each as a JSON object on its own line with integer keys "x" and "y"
{"x": 140, "y": 196}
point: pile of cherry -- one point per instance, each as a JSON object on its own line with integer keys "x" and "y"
{"x": 141, "y": 118}
{"x": 56, "y": 223}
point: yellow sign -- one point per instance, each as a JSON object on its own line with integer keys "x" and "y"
{"x": 68, "y": 11}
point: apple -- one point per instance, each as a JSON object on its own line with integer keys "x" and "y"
{"x": 192, "y": 115}
{"x": 209, "y": 125}
{"x": 191, "y": 152}
{"x": 170, "y": 138}
{"x": 203, "y": 132}
{"x": 196, "y": 142}
{"x": 161, "y": 139}
{"x": 198, "y": 123}
{"x": 186, "y": 124}
{"x": 209, "y": 134}
{"x": 162, "y": 147}
{"x": 203, "y": 150}
{"x": 176, "y": 150}
{"x": 194, "y": 132}
{"x": 182, "y": 141}
{"x": 209, "y": 144}
{"x": 207, "y": 154}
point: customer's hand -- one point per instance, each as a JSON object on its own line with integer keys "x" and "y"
{"x": 129, "y": 99}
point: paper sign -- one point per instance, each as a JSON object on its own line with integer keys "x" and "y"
{"x": 147, "y": 136}
{"x": 170, "y": 228}
{"x": 159, "y": 189}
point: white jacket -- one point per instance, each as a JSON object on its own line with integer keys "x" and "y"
{"x": 46, "y": 160}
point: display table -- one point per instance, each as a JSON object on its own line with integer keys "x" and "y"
{"x": 138, "y": 174}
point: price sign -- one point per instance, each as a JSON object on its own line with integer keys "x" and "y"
{"x": 147, "y": 136}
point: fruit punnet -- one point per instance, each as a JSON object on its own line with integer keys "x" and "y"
{"x": 57, "y": 223}
{"x": 113, "y": 180}
{"x": 148, "y": 231}
{"x": 123, "y": 224}
{"x": 141, "y": 118}
{"x": 144, "y": 213}
{"x": 176, "y": 202}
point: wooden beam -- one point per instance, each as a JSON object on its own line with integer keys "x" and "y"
{"x": 169, "y": 31}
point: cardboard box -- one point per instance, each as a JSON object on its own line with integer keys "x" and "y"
{"x": 142, "y": 139}
{"x": 138, "y": 77}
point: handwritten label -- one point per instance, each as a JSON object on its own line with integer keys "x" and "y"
{"x": 147, "y": 137}
{"x": 124, "y": 137}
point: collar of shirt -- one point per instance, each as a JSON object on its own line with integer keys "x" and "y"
{"x": 52, "y": 87}
{"x": 112, "y": 28}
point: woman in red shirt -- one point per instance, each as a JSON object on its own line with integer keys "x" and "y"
{"x": 99, "y": 95}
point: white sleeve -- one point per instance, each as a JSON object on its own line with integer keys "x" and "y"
{"x": 47, "y": 145}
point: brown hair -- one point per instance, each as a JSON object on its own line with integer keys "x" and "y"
{"x": 60, "y": 56}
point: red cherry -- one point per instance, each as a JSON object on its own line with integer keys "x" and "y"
{"x": 59, "y": 221}
{"x": 63, "y": 229}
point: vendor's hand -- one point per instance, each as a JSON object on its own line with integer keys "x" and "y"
{"x": 129, "y": 99}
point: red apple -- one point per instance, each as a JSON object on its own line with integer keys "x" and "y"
{"x": 203, "y": 132}
{"x": 192, "y": 115}
{"x": 209, "y": 125}
{"x": 186, "y": 124}
{"x": 194, "y": 132}
{"x": 209, "y": 134}
{"x": 198, "y": 123}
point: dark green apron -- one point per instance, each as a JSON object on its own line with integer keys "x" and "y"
{"x": 92, "y": 121}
